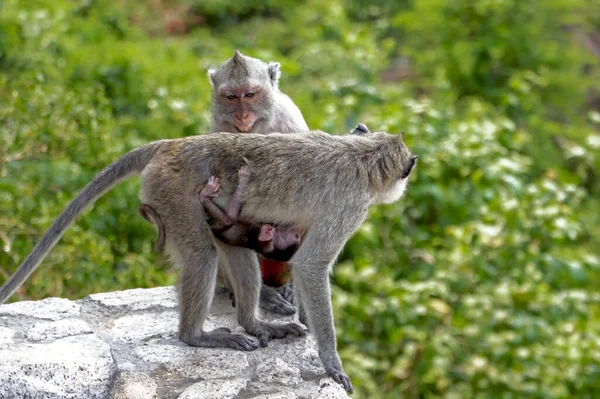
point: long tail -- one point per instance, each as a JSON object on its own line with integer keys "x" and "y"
{"x": 131, "y": 163}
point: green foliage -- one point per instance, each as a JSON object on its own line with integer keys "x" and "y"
{"x": 482, "y": 282}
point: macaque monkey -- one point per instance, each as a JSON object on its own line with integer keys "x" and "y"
{"x": 246, "y": 99}
{"x": 315, "y": 182}
{"x": 274, "y": 271}
{"x": 277, "y": 243}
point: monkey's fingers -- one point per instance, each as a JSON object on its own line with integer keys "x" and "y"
{"x": 269, "y": 331}
{"x": 207, "y": 192}
{"x": 216, "y": 187}
{"x": 244, "y": 172}
{"x": 274, "y": 302}
{"x": 287, "y": 292}
{"x": 242, "y": 342}
{"x": 341, "y": 378}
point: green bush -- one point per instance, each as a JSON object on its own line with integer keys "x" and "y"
{"x": 482, "y": 282}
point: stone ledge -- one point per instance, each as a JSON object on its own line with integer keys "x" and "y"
{"x": 123, "y": 345}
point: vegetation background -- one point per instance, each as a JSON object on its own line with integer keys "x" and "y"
{"x": 482, "y": 283}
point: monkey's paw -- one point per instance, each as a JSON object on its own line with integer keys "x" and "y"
{"x": 242, "y": 342}
{"x": 211, "y": 189}
{"x": 268, "y": 331}
{"x": 266, "y": 232}
{"x": 214, "y": 185}
{"x": 221, "y": 338}
{"x": 287, "y": 292}
{"x": 244, "y": 172}
{"x": 340, "y": 377}
{"x": 274, "y": 302}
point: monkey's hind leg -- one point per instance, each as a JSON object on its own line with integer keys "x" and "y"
{"x": 191, "y": 244}
{"x": 245, "y": 279}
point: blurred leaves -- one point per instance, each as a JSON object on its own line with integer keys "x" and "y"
{"x": 481, "y": 283}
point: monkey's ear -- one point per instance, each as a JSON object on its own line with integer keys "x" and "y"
{"x": 211, "y": 76}
{"x": 238, "y": 57}
{"x": 274, "y": 73}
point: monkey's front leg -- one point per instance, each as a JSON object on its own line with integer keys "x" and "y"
{"x": 310, "y": 270}
{"x": 245, "y": 279}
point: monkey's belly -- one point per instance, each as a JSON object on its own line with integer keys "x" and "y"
{"x": 274, "y": 274}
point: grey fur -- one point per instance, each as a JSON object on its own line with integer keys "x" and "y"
{"x": 276, "y": 113}
{"x": 313, "y": 181}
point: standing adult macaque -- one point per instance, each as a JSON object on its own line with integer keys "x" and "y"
{"x": 275, "y": 271}
{"x": 315, "y": 182}
{"x": 246, "y": 99}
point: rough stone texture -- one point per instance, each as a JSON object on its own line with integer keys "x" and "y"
{"x": 123, "y": 345}
{"x": 71, "y": 367}
{"x": 49, "y": 331}
{"x": 132, "y": 385}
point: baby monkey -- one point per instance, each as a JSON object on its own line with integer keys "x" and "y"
{"x": 273, "y": 242}
{"x": 277, "y": 243}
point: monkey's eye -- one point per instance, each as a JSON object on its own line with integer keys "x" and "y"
{"x": 231, "y": 97}
{"x": 249, "y": 95}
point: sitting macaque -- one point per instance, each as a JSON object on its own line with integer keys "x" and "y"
{"x": 278, "y": 243}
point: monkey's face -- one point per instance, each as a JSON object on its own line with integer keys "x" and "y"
{"x": 243, "y": 105}
{"x": 394, "y": 191}
{"x": 243, "y": 93}
{"x": 286, "y": 237}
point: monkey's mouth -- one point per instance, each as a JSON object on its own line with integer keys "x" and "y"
{"x": 245, "y": 128}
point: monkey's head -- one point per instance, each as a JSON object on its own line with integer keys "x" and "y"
{"x": 285, "y": 237}
{"x": 395, "y": 169}
{"x": 360, "y": 130}
{"x": 243, "y": 92}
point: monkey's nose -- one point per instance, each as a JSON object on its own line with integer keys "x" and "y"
{"x": 242, "y": 117}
